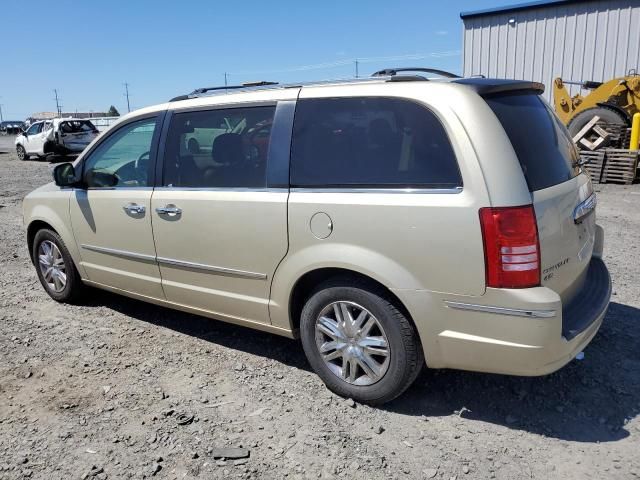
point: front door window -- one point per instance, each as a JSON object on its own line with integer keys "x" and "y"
{"x": 122, "y": 160}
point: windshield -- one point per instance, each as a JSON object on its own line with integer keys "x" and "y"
{"x": 544, "y": 148}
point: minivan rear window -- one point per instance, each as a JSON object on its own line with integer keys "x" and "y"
{"x": 544, "y": 148}
{"x": 364, "y": 142}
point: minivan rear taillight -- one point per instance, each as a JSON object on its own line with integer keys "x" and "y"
{"x": 511, "y": 248}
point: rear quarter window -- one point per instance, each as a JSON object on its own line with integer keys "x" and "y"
{"x": 370, "y": 142}
{"x": 542, "y": 144}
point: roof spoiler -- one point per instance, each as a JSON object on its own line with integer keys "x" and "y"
{"x": 492, "y": 86}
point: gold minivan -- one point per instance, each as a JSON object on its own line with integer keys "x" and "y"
{"x": 388, "y": 223}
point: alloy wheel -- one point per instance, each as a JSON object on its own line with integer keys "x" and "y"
{"x": 52, "y": 266}
{"x": 352, "y": 343}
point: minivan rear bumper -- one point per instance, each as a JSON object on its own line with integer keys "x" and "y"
{"x": 517, "y": 332}
{"x": 590, "y": 303}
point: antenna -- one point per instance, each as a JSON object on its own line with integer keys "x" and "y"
{"x": 356, "y": 62}
{"x": 126, "y": 94}
{"x": 58, "y": 104}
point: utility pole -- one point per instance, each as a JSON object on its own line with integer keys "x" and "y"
{"x": 225, "y": 79}
{"x": 356, "y": 62}
{"x": 126, "y": 94}
{"x": 58, "y": 106}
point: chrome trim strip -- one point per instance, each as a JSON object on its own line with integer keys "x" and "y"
{"x": 211, "y": 268}
{"x": 378, "y": 190}
{"x": 221, "y": 189}
{"x": 585, "y": 208}
{"x": 501, "y": 310}
{"x": 120, "y": 253}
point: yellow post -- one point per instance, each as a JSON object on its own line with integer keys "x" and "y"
{"x": 635, "y": 132}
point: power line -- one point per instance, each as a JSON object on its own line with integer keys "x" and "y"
{"x": 126, "y": 94}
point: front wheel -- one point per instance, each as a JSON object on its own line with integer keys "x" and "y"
{"x": 22, "y": 153}
{"x": 359, "y": 343}
{"x": 56, "y": 270}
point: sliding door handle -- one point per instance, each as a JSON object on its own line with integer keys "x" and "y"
{"x": 170, "y": 210}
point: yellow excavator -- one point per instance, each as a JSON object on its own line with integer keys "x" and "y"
{"x": 614, "y": 101}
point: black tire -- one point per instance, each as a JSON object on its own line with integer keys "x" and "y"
{"x": 405, "y": 351}
{"x": 22, "y": 153}
{"x": 607, "y": 115}
{"x": 74, "y": 287}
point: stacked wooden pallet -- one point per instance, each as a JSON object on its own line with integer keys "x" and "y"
{"x": 620, "y": 135}
{"x": 595, "y": 163}
{"x": 619, "y": 166}
{"x": 611, "y": 165}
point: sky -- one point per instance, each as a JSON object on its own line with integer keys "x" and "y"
{"x": 88, "y": 50}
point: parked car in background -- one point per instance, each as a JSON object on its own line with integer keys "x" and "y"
{"x": 385, "y": 222}
{"x": 60, "y": 136}
{"x": 11, "y": 127}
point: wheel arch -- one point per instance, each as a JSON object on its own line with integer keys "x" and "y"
{"x": 306, "y": 283}
{"x": 41, "y": 217}
{"x": 33, "y": 228}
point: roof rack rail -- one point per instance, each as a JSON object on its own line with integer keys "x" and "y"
{"x": 200, "y": 91}
{"x": 391, "y": 72}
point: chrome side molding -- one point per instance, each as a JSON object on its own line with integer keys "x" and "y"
{"x": 176, "y": 263}
{"x": 120, "y": 253}
{"x": 501, "y": 310}
{"x": 210, "y": 268}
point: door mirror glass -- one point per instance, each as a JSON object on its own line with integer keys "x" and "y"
{"x": 64, "y": 175}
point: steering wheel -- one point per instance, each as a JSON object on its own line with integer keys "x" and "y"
{"x": 140, "y": 158}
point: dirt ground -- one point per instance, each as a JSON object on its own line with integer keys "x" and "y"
{"x": 116, "y": 388}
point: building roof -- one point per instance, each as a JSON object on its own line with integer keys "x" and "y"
{"x": 516, "y": 7}
{"x": 49, "y": 115}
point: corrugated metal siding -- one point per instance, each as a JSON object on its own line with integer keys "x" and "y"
{"x": 593, "y": 40}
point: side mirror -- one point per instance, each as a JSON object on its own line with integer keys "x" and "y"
{"x": 24, "y": 132}
{"x": 64, "y": 175}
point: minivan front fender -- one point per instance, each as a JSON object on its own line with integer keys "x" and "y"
{"x": 54, "y": 213}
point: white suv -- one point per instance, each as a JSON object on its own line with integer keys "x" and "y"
{"x": 60, "y": 136}
{"x": 384, "y": 222}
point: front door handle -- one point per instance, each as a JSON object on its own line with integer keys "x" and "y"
{"x": 170, "y": 210}
{"x": 134, "y": 208}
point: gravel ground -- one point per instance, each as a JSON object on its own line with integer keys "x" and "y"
{"x": 116, "y": 388}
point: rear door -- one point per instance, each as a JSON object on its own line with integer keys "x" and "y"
{"x": 562, "y": 195}
{"x": 219, "y": 213}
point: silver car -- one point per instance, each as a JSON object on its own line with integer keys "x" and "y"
{"x": 388, "y": 223}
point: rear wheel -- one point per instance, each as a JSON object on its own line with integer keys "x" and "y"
{"x": 22, "y": 153}
{"x": 359, "y": 343}
{"x": 56, "y": 270}
{"x": 607, "y": 116}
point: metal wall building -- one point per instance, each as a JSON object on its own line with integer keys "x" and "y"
{"x": 572, "y": 39}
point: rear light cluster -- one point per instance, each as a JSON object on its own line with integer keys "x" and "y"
{"x": 511, "y": 247}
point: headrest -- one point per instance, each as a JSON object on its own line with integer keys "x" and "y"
{"x": 227, "y": 148}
